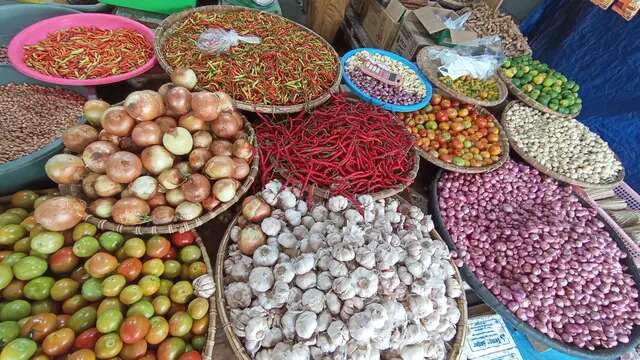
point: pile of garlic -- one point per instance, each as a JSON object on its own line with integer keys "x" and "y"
{"x": 331, "y": 283}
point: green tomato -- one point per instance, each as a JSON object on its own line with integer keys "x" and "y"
{"x": 7, "y": 218}
{"x": 22, "y": 245}
{"x": 39, "y": 288}
{"x": 142, "y": 307}
{"x": 113, "y": 284}
{"x": 109, "y": 321}
{"x": 83, "y": 319}
{"x": 130, "y": 294}
{"x": 198, "y": 342}
{"x": 171, "y": 348}
{"x": 149, "y": 284}
{"x": 29, "y": 267}
{"x": 11, "y": 233}
{"x": 6, "y": 275}
{"x": 135, "y": 248}
{"x": 111, "y": 240}
{"x": 64, "y": 289}
{"x": 198, "y": 308}
{"x": 47, "y": 242}
{"x": 92, "y": 289}
{"x": 18, "y": 211}
{"x": 181, "y": 292}
{"x": 19, "y": 349}
{"x": 161, "y": 304}
{"x": 86, "y": 246}
{"x": 165, "y": 287}
{"x": 13, "y": 258}
{"x": 45, "y": 306}
{"x": 9, "y": 330}
{"x": 172, "y": 269}
{"x": 15, "y": 310}
{"x": 83, "y": 229}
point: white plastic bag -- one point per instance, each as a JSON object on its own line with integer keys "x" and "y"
{"x": 479, "y": 58}
{"x": 217, "y": 41}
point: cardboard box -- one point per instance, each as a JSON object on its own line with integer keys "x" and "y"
{"x": 382, "y": 23}
{"x": 431, "y": 19}
{"x": 359, "y": 7}
{"x": 411, "y": 37}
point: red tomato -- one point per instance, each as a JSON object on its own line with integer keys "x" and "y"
{"x": 455, "y": 103}
{"x": 436, "y": 99}
{"x": 446, "y": 158}
{"x": 469, "y": 107}
{"x": 158, "y": 246}
{"x": 130, "y": 268}
{"x": 134, "y": 328}
{"x": 63, "y": 260}
{"x": 442, "y": 116}
{"x": 445, "y": 104}
{"x": 87, "y": 339}
{"x": 181, "y": 239}
{"x": 191, "y": 355}
{"x": 171, "y": 255}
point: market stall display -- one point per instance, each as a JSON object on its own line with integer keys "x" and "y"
{"x": 89, "y": 294}
{"x": 562, "y": 148}
{"x": 385, "y": 79}
{"x": 83, "y": 49}
{"x": 486, "y": 21}
{"x": 457, "y": 136}
{"x": 541, "y": 258}
{"x": 345, "y": 147}
{"x": 163, "y": 162}
{"x": 287, "y": 69}
{"x": 328, "y": 280}
{"x": 541, "y": 87}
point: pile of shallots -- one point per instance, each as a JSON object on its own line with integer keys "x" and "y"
{"x": 331, "y": 282}
{"x": 542, "y": 253}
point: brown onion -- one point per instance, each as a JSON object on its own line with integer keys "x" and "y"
{"x": 184, "y": 168}
{"x": 255, "y": 209}
{"x": 78, "y": 137}
{"x": 187, "y": 211}
{"x": 251, "y": 238}
{"x": 218, "y": 167}
{"x": 144, "y": 105}
{"x": 184, "y": 77}
{"x": 105, "y": 187}
{"x": 178, "y": 141}
{"x": 93, "y": 111}
{"x": 60, "y": 213}
{"x": 239, "y": 118}
{"x": 224, "y": 189}
{"x": 221, "y": 147}
{"x": 178, "y": 100}
{"x": 170, "y": 179}
{"x": 144, "y": 187}
{"x": 242, "y": 149}
{"x": 210, "y": 203}
{"x": 117, "y": 121}
{"x": 157, "y": 199}
{"x": 102, "y": 207}
{"x": 156, "y": 159}
{"x": 199, "y": 157}
{"x": 196, "y": 188}
{"x": 96, "y": 154}
{"x": 242, "y": 135}
{"x": 126, "y": 143}
{"x": 164, "y": 88}
{"x": 166, "y": 123}
{"x": 225, "y": 102}
{"x": 202, "y": 139}
{"x": 130, "y": 211}
{"x": 174, "y": 197}
{"x": 241, "y": 169}
{"x": 126, "y": 193}
{"x": 123, "y": 167}
{"x": 163, "y": 215}
{"x": 65, "y": 169}
{"x": 204, "y": 105}
{"x": 146, "y": 134}
{"x": 192, "y": 122}
{"x": 88, "y": 185}
{"x": 105, "y": 136}
{"x": 225, "y": 126}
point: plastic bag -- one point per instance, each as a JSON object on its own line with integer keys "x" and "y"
{"x": 217, "y": 41}
{"x": 456, "y": 24}
{"x": 479, "y": 58}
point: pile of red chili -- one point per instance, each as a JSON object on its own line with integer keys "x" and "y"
{"x": 88, "y": 53}
{"x": 290, "y": 66}
{"x": 346, "y": 146}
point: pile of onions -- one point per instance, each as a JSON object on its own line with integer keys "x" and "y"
{"x": 542, "y": 253}
{"x": 161, "y": 157}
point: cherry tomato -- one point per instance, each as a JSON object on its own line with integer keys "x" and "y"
{"x": 172, "y": 269}
{"x": 181, "y": 292}
{"x": 171, "y": 349}
{"x": 73, "y": 304}
{"x": 83, "y": 319}
{"x": 39, "y": 326}
{"x": 171, "y": 255}
{"x": 151, "y": 355}
{"x": 130, "y": 294}
{"x": 19, "y": 349}
{"x": 110, "y": 303}
{"x": 181, "y": 239}
{"x": 165, "y": 287}
{"x": 153, "y": 267}
{"x": 158, "y": 246}
{"x": 109, "y": 321}
{"x": 83, "y": 229}
{"x": 87, "y": 339}
{"x": 180, "y": 324}
{"x": 161, "y": 304}
{"x": 133, "y": 351}
{"x": 191, "y": 355}
{"x": 436, "y": 99}
{"x": 14, "y": 291}
{"x": 135, "y": 248}
{"x": 111, "y": 240}
{"x": 113, "y": 284}
{"x": 58, "y": 342}
{"x": 200, "y": 326}
{"x": 130, "y": 269}
{"x": 134, "y": 328}
{"x": 158, "y": 330}
{"x": 142, "y": 307}
{"x": 62, "y": 320}
{"x": 108, "y": 346}
{"x": 101, "y": 264}
{"x": 64, "y": 289}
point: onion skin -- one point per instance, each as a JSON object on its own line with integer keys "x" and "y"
{"x": 210, "y": 203}
{"x": 192, "y": 123}
{"x": 60, "y": 213}
{"x": 225, "y": 126}
{"x": 158, "y": 199}
{"x": 241, "y": 169}
{"x": 126, "y": 144}
{"x": 166, "y": 123}
{"x": 255, "y": 209}
{"x": 219, "y": 167}
{"x": 221, "y": 147}
{"x": 105, "y": 136}
{"x": 146, "y": 134}
{"x": 251, "y": 238}
{"x": 88, "y": 185}
{"x": 242, "y": 149}
{"x": 199, "y": 157}
{"x": 178, "y": 141}
{"x": 65, "y": 169}
{"x": 93, "y": 111}
{"x": 163, "y": 215}
{"x": 178, "y": 100}
{"x": 204, "y": 105}
{"x": 156, "y": 159}
{"x": 117, "y": 121}
{"x": 196, "y": 188}
{"x": 96, "y": 155}
{"x": 202, "y": 139}
{"x": 123, "y": 167}
{"x": 130, "y": 211}
{"x": 224, "y": 189}
{"x": 170, "y": 179}
{"x": 78, "y": 137}
{"x": 102, "y": 207}
{"x": 105, "y": 187}
{"x": 144, "y": 105}
{"x": 184, "y": 77}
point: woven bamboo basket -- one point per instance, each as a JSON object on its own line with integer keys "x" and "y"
{"x": 198, "y": 286}
{"x": 504, "y": 156}
{"x": 545, "y": 170}
{"x": 168, "y": 25}
{"x": 529, "y": 101}
{"x": 456, "y": 345}
{"x": 430, "y": 69}
{"x": 105, "y": 224}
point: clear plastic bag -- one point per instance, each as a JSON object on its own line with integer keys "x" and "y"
{"x": 479, "y": 58}
{"x": 456, "y": 24}
{"x": 216, "y": 41}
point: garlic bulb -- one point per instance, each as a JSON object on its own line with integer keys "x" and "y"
{"x": 265, "y": 255}
{"x": 304, "y": 264}
{"x": 270, "y": 226}
{"x": 313, "y": 299}
{"x": 204, "y": 286}
{"x": 324, "y": 281}
{"x": 337, "y": 203}
{"x": 287, "y": 240}
{"x": 365, "y": 281}
{"x": 344, "y": 288}
{"x": 237, "y": 295}
{"x": 261, "y": 279}
{"x": 256, "y": 329}
{"x": 306, "y": 280}
{"x": 360, "y": 327}
{"x": 306, "y": 324}
{"x": 283, "y": 272}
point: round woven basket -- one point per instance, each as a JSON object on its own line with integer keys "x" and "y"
{"x": 504, "y": 144}
{"x": 105, "y": 224}
{"x": 430, "y": 69}
{"x": 168, "y": 25}
{"x": 545, "y": 170}
{"x": 200, "y": 287}
{"x": 529, "y": 101}
{"x": 456, "y": 345}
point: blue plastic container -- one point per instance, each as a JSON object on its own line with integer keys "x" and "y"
{"x": 15, "y": 17}
{"x": 377, "y": 102}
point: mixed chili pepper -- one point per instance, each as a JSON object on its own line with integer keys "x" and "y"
{"x": 290, "y": 65}
{"x": 346, "y": 146}
{"x": 84, "y": 52}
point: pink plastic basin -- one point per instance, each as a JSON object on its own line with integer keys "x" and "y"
{"x": 38, "y": 31}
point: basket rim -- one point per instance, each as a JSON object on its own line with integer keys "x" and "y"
{"x": 457, "y": 344}
{"x": 165, "y": 28}
{"x": 207, "y": 351}
{"x": 431, "y": 72}
{"x": 545, "y": 170}
{"x": 504, "y": 144}
{"x": 529, "y": 101}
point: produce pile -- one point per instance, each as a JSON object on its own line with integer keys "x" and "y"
{"x": 542, "y": 253}
{"x": 485, "y": 21}
{"x": 455, "y": 132}
{"x": 90, "y": 294}
{"x": 162, "y": 157}
{"x": 290, "y": 66}
{"x": 346, "y": 146}
{"x": 565, "y": 146}
{"x": 410, "y": 91}
{"x": 333, "y": 282}
{"x": 84, "y": 52}
{"x": 3, "y": 55}
{"x": 485, "y": 90}
{"x": 543, "y": 84}
{"x": 32, "y": 116}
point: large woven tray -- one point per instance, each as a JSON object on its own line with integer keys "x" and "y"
{"x": 167, "y": 27}
{"x": 456, "y": 346}
{"x": 545, "y": 170}
{"x": 486, "y": 295}
{"x": 430, "y": 69}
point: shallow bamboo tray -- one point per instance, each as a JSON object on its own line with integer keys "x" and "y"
{"x": 545, "y": 170}
{"x": 168, "y": 25}
{"x": 430, "y": 69}
{"x": 456, "y": 347}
